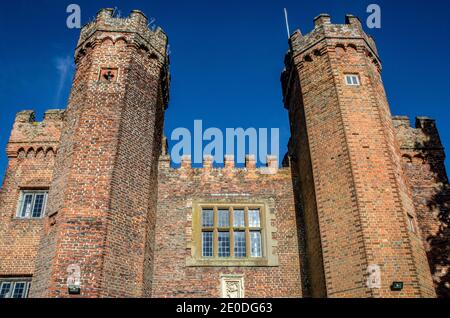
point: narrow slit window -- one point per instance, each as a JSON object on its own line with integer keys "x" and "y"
{"x": 411, "y": 224}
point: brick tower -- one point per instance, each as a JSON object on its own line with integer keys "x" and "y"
{"x": 358, "y": 206}
{"x": 102, "y": 200}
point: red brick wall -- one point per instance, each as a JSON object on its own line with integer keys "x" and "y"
{"x": 101, "y": 197}
{"x": 126, "y": 218}
{"x": 178, "y": 188}
{"x": 31, "y": 153}
{"x": 355, "y": 163}
{"x": 423, "y": 162}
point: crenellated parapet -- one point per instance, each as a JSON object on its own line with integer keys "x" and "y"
{"x": 30, "y": 138}
{"x": 423, "y": 136}
{"x": 134, "y": 29}
{"x": 421, "y": 148}
{"x": 228, "y": 169}
{"x": 342, "y": 39}
{"x": 341, "y": 143}
{"x": 109, "y": 33}
{"x": 423, "y": 159}
{"x": 327, "y": 33}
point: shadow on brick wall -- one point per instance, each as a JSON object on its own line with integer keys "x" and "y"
{"x": 439, "y": 242}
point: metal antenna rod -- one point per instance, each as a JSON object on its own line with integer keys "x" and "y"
{"x": 287, "y": 23}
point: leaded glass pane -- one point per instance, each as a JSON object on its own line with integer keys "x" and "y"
{"x": 38, "y": 205}
{"x": 240, "y": 250}
{"x": 26, "y": 205}
{"x": 224, "y": 244}
{"x": 349, "y": 80}
{"x": 224, "y": 218}
{"x": 4, "y": 290}
{"x": 254, "y": 218}
{"x": 207, "y": 218}
{"x": 255, "y": 244}
{"x": 239, "y": 218}
{"x": 207, "y": 244}
{"x": 19, "y": 290}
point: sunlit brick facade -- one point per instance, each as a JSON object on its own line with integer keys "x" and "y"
{"x": 360, "y": 203}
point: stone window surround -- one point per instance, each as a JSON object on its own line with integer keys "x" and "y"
{"x": 194, "y": 232}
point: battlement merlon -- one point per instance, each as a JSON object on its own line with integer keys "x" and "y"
{"x": 135, "y": 32}
{"x": 135, "y": 25}
{"x": 272, "y": 164}
{"x": 325, "y": 30}
{"x": 28, "y": 133}
{"x": 325, "y": 36}
{"x": 424, "y": 135}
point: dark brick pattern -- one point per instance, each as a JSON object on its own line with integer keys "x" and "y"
{"x": 352, "y": 163}
{"x": 31, "y": 153}
{"x": 179, "y": 188}
{"x": 423, "y": 161}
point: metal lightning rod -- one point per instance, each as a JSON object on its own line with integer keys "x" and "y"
{"x": 287, "y": 23}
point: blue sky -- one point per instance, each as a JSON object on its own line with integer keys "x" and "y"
{"x": 226, "y": 57}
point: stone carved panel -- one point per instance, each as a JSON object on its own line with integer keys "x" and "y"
{"x": 232, "y": 286}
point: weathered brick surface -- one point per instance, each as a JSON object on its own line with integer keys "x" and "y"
{"x": 179, "y": 188}
{"x": 423, "y": 162}
{"x": 117, "y": 208}
{"x": 354, "y": 165}
{"x": 101, "y": 195}
{"x": 31, "y": 153}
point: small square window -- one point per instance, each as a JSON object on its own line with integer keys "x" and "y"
{"x": 352, "y": 80}
{"x": 32, "y": 204}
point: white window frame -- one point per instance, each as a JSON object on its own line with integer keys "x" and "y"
{"x": 34, "y": 193}
{"x": 14, "y": 282}
{"x": 352, "y": 80}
